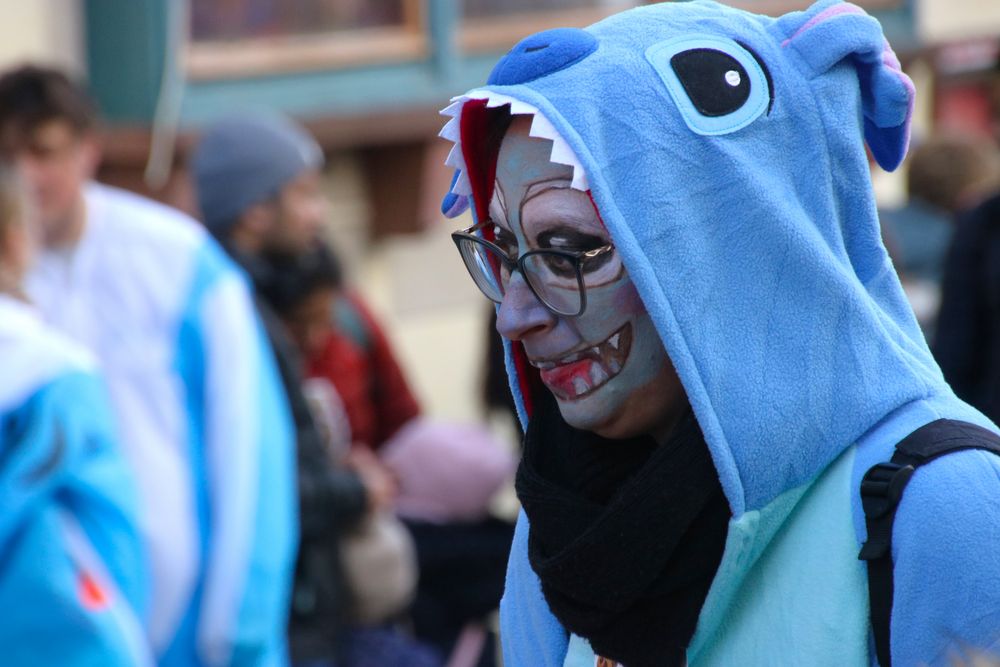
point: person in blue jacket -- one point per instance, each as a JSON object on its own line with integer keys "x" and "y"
{"x": 193, "y": 386}
{"x": 709, "y": 347}
{"x": 73, "y": 575}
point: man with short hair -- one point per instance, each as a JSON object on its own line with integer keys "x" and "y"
{"x": 198, "y": 402}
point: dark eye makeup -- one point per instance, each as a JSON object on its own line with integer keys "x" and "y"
{"x": 504, "y": 238}
{"x": 570, "y": 239}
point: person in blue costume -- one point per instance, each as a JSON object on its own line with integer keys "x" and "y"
{"x": 709, "y": 347}
{"x": 73, "y": 574}
{"x": 194, "y": 388}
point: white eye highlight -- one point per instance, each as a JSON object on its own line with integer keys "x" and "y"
{"x": 733, "y": 78}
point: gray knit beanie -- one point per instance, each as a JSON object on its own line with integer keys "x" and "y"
{"x": 241, "y": 161}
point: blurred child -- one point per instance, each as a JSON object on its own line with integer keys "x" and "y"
{"x": 350, "y": 349}
{"x": 72, "y": 570}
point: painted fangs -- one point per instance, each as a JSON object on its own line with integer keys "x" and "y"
{"x": 598, "y": 375}
{"x": 607, "y": 352}
{"x": 581, "y": 373}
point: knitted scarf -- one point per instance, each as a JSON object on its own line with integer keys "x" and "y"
{"x": 626, "y": 535}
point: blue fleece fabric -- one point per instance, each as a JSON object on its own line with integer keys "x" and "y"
{"x": 753, "y": 240}
{"x": 68, "y": 518}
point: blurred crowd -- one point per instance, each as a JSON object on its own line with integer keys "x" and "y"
{"x": 210, "y": 454}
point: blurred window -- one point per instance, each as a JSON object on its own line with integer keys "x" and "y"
{"x": 242, "y": 19}
{"x": 489, "y": 25}
{"x": 243, "y": 38}
{"x": 473, "y": 9}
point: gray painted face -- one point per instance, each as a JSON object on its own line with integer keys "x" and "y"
{"x": 607, "y": 368}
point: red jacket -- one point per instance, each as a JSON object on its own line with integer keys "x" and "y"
{"x": 358, "y": 359}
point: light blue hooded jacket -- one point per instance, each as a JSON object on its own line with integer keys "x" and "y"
{"x": 746, "y": 219}
{"x": 203, "y": 422}
{"x": 73, "y": 573}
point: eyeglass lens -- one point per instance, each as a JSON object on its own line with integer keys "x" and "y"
{"x": 553, "y": 277}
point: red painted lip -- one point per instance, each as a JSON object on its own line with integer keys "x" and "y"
{"x": 560, "y": 379}
{"x": 586, "y": 370}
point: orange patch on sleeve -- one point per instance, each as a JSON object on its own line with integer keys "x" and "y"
{"x": 93, "y": 597}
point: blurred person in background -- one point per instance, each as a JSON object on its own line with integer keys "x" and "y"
{"x": 258, "y": 185}
{"x": 73, "y": 567}
{"x": 447, "y": 473}
{"x": 946, "y": 174}
{"x": 967, "y": 342}
{"x": 350, "y": 349}
{"x": 196, "y": 397}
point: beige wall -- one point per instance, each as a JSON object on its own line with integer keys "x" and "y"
{"x": 951, "y": 20}
{"x": 47, "y": 31}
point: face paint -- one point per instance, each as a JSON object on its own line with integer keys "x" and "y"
{"x": 607, "y": 368}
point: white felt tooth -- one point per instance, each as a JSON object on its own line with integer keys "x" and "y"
{"x": 462, "y": 185}
{"x": 494, "y": 101}
{"x": 519, "y": 108}
{"x": 542, "y": 128}
{"x": 451, "y": 130}
{"x": 562, "y": 153}
{"x": 454, "y": 108}
{"x": 454, "y": 158}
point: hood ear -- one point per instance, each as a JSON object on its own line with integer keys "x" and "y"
{"x": 454, "y": 204}
{"x": 830, "y": 32}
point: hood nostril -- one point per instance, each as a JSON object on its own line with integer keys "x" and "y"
{"x": 541, "y": 54}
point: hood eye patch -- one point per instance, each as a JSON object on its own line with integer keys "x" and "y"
{"x": 718, "y": 85}
{"x": 715, "y": 81}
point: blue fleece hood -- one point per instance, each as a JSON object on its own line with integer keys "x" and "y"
{"x": 726, "y": 155}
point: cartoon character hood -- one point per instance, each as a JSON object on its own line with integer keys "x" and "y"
{"x": 725, "y": 153}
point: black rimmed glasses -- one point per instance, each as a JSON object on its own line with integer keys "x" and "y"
{"x": 559, "y": 278}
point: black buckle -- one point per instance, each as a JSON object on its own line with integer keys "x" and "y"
{"x": 881, "y": 489}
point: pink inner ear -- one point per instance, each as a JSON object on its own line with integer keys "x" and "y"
{"x": 825, "y": 15}
{"x": 890, "y": 60}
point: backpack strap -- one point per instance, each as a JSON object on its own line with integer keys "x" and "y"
{"x": 882, "y": 489}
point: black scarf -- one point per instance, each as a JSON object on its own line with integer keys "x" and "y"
{"x": 625, "y": 537}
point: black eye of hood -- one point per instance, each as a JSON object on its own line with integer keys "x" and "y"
{"x": 718, "y": 84}
{"x": 714, "y": 80}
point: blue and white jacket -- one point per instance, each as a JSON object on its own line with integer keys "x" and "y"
{"x": 203, "y": 422}
{"x": 742, "y": 208}
{"x": 73, "y": 575}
